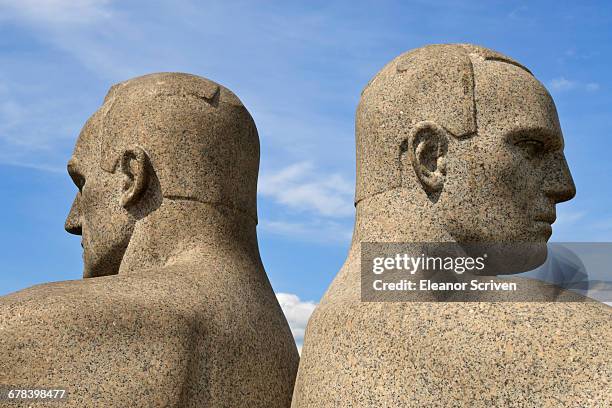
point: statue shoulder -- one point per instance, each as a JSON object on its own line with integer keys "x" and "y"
{"x": 99, "y": 336}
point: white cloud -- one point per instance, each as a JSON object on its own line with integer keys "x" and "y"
{"x": 23, "y": 163}
{"x": 116, "y": 40}
{"x": 33, "y": 129}
{"x": 567, "y": 217}
{"x": 579, "y": 54}
{"x": 576, "y": 225}
{"x": 603, "y": 223}
{"x": 56, "y": 11}
{"x": 320, "y": 231}
{"x": 567, "y": 223}
{"x": 518, "y": 12}
{"x": 11, "y": 113}
{"x": 299, "y": 187}
{"x": 88, "y": 30}
{"x": 31, "y": 132}
{"x": 328, "y": 199}
{"x": 563, "y": 84}
{"x": 592, "y": 86}
{"x": 297, "y": 313}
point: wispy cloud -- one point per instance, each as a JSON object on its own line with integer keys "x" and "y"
{"x": 103, "y": 42}
{"x": 569, "y": 219}
{"x": 11, "y": 114}
{"x": 33, "y": 130}
{"x": 521, "y": 14}
{"x": 56, "y": 11}
{"x": 604, "y": 224}
{"x": 576, "y": 225}
{"x": 563, "y": 84}
{"x": 311, "y": 230}
{"x": 40, "y": 112}
{"x": 317, "y": 207}
{"x": 88, "y": 30}
{"x": 297, "y": 313}
{"x": 515, "y": 13}
{"x": 300, "y": 187}
{"x": 580, "y": 54}
{"x": 34, "y": 166}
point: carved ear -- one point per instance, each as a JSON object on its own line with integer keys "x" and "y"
{"x": 425, "y": 149}
{"x": 134, "y": 169}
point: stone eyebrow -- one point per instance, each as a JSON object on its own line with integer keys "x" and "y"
{"x": 546, "y": 141}
{"x": 73, "y": 170}
{"x": 72, "y": 165}
{"x": 552, "y": 139}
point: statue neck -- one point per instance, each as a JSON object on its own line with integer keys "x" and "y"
{"x": 181, "y": 231}
{"x": 393, "y": 216}
{"x": 398, "y": 215}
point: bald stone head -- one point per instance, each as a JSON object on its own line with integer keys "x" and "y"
{"x": 472, "y": 135}
{"x": 160, "y": 136}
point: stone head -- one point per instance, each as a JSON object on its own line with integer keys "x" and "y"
{"x": 472, "y": 136}
{"x": 160, "y": 136}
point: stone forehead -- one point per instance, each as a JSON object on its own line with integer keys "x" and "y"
{"x": 435, "y": 83}
{"x": 502, "y": 93}
{"x": 88, "y": 145}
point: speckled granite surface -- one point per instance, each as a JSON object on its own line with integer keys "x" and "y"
{"x": 455, "y": 143}
{"x": 177, "y": 310}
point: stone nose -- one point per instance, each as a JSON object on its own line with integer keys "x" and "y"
{"x": 558, "y": 182}
{"x": 73, "y": 222}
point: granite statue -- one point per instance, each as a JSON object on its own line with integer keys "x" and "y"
{"x": 455, "y": 144}
{"x": 176, "y": 309}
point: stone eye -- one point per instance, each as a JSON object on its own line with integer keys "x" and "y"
{"x": 78, "y": 180}
{"x": 81, "y": 184}
{"x": 531, "y": 148}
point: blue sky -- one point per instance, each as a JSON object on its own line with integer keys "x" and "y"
{"x": 299, "y": 68}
